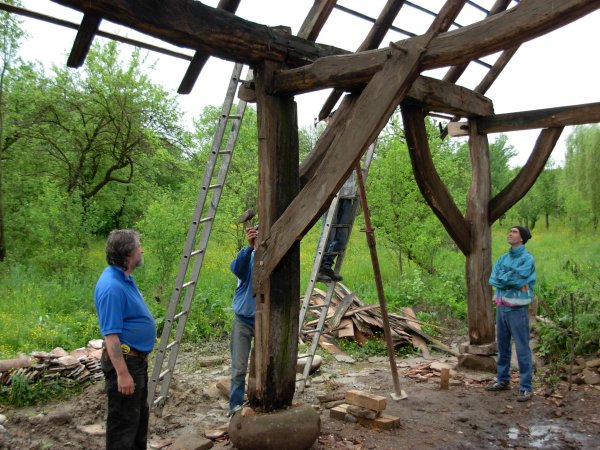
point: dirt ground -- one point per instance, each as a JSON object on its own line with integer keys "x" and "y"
{"x": 462, "y": 417}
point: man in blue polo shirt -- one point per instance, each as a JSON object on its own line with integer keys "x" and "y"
{"x": 129, "y": 333}
{"x": 242, "y": 331}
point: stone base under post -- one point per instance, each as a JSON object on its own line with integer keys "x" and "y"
{"x": 478, "y": 357}
{"x": 296, "y": 428}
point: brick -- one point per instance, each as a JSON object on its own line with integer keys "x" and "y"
{"x": 366, "y": 400}
{"x": 339, "y": 412}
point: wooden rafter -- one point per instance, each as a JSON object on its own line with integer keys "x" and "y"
{"x": 83, "y": 41}
{"x": 316, "y": 18}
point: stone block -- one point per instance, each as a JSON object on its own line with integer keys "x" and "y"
{"x": 483, "y": 350}
{"x": 366, "y": 400}
{"x": 477, "y": 362}
{"x": 296, "y": 428}
{"x": 191, "y": 441}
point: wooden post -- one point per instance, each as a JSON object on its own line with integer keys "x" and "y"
{"x": 276, "y": 330}
{"x": 479, "y": 259}
{"x": 445, "y": 378}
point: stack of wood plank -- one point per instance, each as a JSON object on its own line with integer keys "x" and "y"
{"x": 349, "y": 317}
{"x": 366, "y": 409}
{"x": 70, "y": 368}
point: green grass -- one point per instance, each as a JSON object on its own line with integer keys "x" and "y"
{"x": 40, "y": 312}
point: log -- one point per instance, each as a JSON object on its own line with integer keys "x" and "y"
{"x": 17, "y": 363}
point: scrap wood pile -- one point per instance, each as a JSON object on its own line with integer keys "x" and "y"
{"x": 58, "y": 365}
{"x": 349, "y": 317}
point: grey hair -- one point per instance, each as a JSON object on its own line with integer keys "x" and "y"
{"x": 119, "y": 245}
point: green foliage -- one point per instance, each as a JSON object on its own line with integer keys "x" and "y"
{"x": 21, "y": 392}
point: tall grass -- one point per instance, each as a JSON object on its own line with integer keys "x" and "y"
{"x": 40, "y": 312}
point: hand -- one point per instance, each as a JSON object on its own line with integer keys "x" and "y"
{"x": 525, "y": 288}
{"x": 125, "y": 383}
{"x": 251, "y": 235}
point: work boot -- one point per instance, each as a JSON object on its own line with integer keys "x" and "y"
{"x": 327, "y": 274}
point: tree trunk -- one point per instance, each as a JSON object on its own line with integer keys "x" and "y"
{"x": 478, "y": 264}
{"x": 277, "y": 305}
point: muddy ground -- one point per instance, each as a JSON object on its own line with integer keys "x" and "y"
{"x": 462, "y": 417}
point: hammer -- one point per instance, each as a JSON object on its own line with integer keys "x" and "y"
{"x": 247, "y": 217}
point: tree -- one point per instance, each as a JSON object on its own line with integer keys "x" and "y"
{"x": 581, "y": 181}
{"x": 11, "y": 34}
{"x": 102, "y": 127}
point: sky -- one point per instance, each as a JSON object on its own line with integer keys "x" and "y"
{"x": 558, "y": 69}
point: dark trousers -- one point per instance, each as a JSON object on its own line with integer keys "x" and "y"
{"x": 128, "y": 415}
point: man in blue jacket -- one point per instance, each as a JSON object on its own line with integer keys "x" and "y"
{"x": 513, "y": 277}
{"x": 242, "y": 331}
{"x": 129, "y": 333}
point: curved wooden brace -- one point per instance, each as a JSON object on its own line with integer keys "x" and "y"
{"x": 520, "y": 185}
{"x": 430, "y": 184}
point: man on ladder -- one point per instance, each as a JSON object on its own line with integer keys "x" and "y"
{"x": 338, "y": 237}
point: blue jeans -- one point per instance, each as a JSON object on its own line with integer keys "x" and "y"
{"x": 338, "y": 236}
{"x": 513, "y": 323}
{"x": 128, "y": 415}
{"x": 241, "y": 342}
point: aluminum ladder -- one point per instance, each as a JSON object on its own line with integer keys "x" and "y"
{"x": 320, "y": 253}
{"x": 195, "y": 244}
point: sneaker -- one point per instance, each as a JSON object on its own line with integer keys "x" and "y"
{"x": 496, "y": 386}
{"x": 231, "y": 412}
{"x": 327, "y": 274}
{"x": 524, "y": 396}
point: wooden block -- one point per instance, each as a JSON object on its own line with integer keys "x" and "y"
{"x": 458, "y": 129}
{"x": 383, "y": 422}
{"x": 445, "y": 378}
{"x": 366, "y": 400}
{"x": 339, "y": 412}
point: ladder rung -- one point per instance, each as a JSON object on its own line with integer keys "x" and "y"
{"x": 188, "y": 284}
{"x": 235, "y": 116}
{"x": 206, "y": 219}
{"x": 158, "y": 400}
{"x": 225, "y": 152}
{"x": 172, "y": 344}
{"x": 181, "y": 314}
{"x": 333, "y": 253}
{"x": 311, "y": 331}
{"x": 340, "y": 225}
{"x": 162, "y": 374}
{"x": 318, "y": 306}
{"x": 196, "y": 252}
{"x": 214, "y": 186}
{"x": 303, "y": 356}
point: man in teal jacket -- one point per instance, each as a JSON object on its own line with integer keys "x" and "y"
{"x": 513, "y": 277}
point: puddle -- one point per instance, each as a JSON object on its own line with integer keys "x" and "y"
{"x": 546, "y": 436}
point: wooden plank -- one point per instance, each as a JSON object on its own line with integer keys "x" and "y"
{"x": 340, "y": 311}
{"x": 346, "y": 329}
{"x": 83, "y": 41}
{"x": 541, "y": 118}
{"x": 417, "y": 341}
{"x": 366, "y": 400}
{"x": 520, "y": 185}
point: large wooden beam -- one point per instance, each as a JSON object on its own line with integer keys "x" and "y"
{"x": 480, "y": 314}
{"x": 541, "y": 118}
{"x": 366, "y": 118}
{"x": 277, "y": 307}
{"x": 430, "y": 184}
{"x": 83, "y": 41}
{"x": 502, "y": 31}
{"x": 191, "y": 24}
{"x": 520, "y": 185}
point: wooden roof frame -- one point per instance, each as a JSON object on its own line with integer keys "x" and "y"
{"x": 378, "y": 80}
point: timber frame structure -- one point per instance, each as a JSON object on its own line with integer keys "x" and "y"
{"x": 378, "y": 81}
